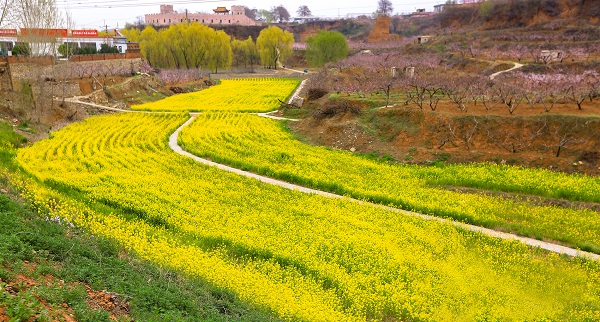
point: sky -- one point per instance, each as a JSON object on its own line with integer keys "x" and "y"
{"x": 101, "y": 14}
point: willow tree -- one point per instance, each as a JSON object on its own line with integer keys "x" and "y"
{"x": 244, "y": 52}
{"x": 186, "y": 46}
{"x": 274, "y": 46}
{"x": 6, "y": 14}
{"x": 133, "y": 34}
{"x": 326, "y": 47}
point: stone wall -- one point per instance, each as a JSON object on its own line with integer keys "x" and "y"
{"x": 31, "y": 73}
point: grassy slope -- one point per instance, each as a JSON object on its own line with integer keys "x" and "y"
{"x": 37, "y": 247}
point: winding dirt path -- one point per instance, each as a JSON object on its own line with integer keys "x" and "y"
{"x": 173, "y": 144}
{"x": 488, "y": 232}
{"x": 517, "y": 66}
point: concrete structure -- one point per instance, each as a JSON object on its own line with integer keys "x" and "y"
{"x": 305, "y": 19}
{"x": 424, "y": 39}
{"x": 80, "y": 38}
{"x": 438, "y": 8}
{"x": 221, "y": 16}
{"x": 549, "y": 56}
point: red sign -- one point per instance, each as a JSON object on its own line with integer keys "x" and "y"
{"x": 84, "y": 33}
{"x": 8, "y": 32}
{"x": 44, "y": 32}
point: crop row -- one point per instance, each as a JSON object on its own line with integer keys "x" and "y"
{"x": 304, "y": 257}
{"x": 247, "y": 95}
{"x": 262, "y": 145}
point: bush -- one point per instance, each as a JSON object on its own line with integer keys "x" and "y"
{"x": 335, "y": 107}
{"x": 316, "y": 93}
{"x": 85, "y": 51}
{"x": 21, "y": 49}
{"x": 106, "y": 49}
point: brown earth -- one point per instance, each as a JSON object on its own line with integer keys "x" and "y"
{"x": 381, "y": 31}
{"x": 409, "y": 134}
{"x": 114, "y": 303}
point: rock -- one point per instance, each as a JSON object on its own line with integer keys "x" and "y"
{"x": 297, "y": 101}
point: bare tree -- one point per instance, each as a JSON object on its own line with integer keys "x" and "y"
{"x": 459, "y": 129}
{"x": 280, "y": 13}
{"x": 385, "y": 7}
{"x": 250, "y": 13}
{"x": 510, "y": 96}
{"x": 417, "y": 94}
{"x": 69, "y": 24}
{"x": 6, "y": 14}
{"x": 458, "y": 90}
{"x": 303, "y": 11}
{"x": 513, "y": 140}
{"x": 386, "y": 84}
{"x": 563, "y": 134}
{"x": 38, "y": 17}
{"x": 395, "y": 22}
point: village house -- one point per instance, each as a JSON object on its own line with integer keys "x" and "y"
{"x": 9, "y": 38}
{"x": 220, "y": 16}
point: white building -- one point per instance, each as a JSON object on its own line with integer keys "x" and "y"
{"x": 42, "y": 39}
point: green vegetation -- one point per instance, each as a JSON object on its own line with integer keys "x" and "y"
{"x": 274, "y": 46}
{"x": 60, "y": 257}
{"x": 187, "y": 46}
{"x": 51, "y": 247}
{"x": 21, "y": 49}
{"x": 245, "y": 52}
{"x": 253, "y": 143}
{"x": 305, "y": 257}
{"x": 326, "y": 47}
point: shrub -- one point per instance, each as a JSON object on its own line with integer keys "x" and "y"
{"x": 316, "y": 93}
{"x": 335, "y": 107}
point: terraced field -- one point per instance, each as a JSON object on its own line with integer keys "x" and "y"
{"x": 301, "y": 256}
{"x": 241, "y": 95}
{"x": 263, "y": 146}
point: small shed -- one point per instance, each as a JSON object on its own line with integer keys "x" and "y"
{"x": 424, "y": 39}
{"x": 548, "y": 56}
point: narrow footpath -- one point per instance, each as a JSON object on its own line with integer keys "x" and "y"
{"x": 488, "y": 232}
{"x": 173, "y": 144}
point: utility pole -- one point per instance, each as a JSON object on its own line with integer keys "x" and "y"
{"x": 105, "y": 27}
{"x": 105, "y": 33}
{"x": 186, "y": 16}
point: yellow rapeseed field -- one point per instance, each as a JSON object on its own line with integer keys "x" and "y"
{"x": 263, "y": 146}
{"x": 245, "y": 95}
{"x": 304, "y": 257}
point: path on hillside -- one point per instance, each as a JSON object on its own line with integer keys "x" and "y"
{"x": 517, "y": 66}
{"x": 174, "y": 145}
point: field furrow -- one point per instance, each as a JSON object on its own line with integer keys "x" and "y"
{"x": 261, "y": 145}
{"x": 301, "y": 256}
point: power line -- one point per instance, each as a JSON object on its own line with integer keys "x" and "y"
{"x": 123, "y": 4}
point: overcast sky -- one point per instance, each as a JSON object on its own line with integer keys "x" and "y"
{"x": 94, "y": 13}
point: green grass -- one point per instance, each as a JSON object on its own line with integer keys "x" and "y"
{"x": 154, "y": 294}
{"x": 326, "y": 256}
{"x": 69, "y": 254}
